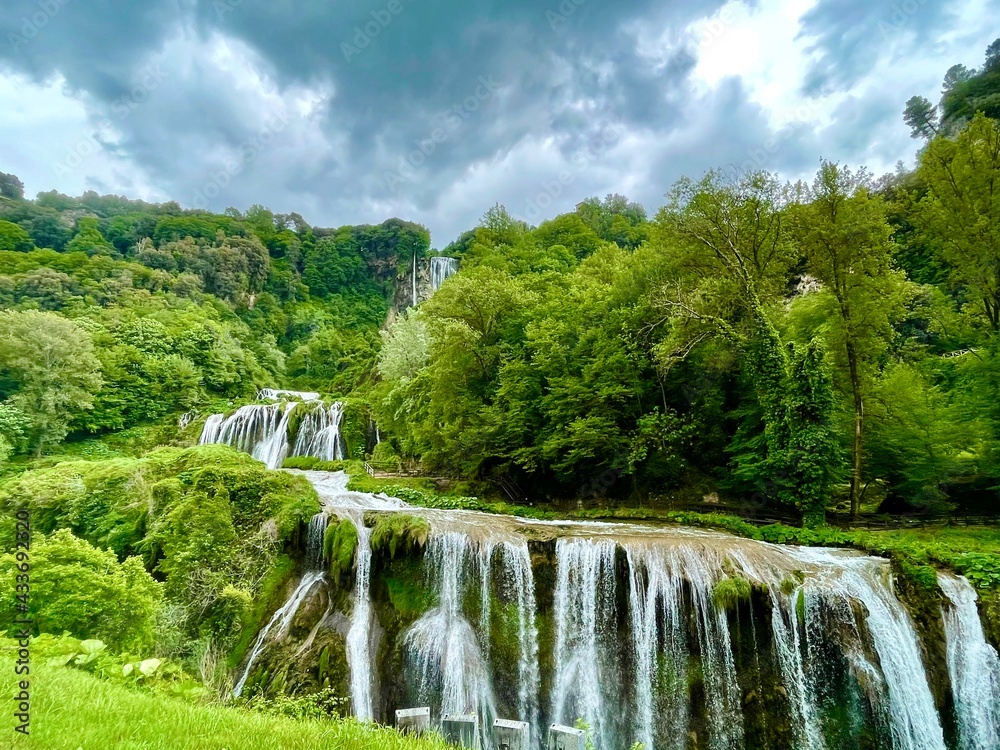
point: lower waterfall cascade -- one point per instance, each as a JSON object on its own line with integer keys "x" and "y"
{"x": 630, "y": 630}
{"x": 266, "y": 431}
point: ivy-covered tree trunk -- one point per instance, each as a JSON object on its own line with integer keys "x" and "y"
{"x": 857, "y": 444}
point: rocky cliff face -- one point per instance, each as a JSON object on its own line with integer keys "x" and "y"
{"x": 403, "y": 297}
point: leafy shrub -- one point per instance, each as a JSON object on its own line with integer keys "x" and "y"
{"x": 84, "y": 591}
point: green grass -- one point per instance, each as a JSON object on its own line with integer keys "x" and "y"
{"x": 73, "y": 710}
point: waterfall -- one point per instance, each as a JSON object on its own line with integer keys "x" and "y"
{"x": 520, "y": 585}
{"x": 442, "y": 646}
{"x": 788, "y": 636}
{"x": 725, "y": 720}
{"x": 634, "y": 642}
{"x": 262, "y": 430}
{"x": 901, "y": 680}
{"x": 584, "y": 611}
{"x": 279, "y": 622}
{"x": 319, "y": 434}
{"x": 258, "y": 429}
{"x": 973, "y": 666}
{"x": 332, "y": 489}
{"x": 656, "y": 592}
{"x": 414, "y": 278}
{"x": 359, "y": 636}
{"x": 441, "y": 269}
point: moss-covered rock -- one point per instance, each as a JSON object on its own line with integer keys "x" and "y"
{"x": 731, "y": 591}
{"x": 397, "y": 533}
{"x": 339, "y": 545}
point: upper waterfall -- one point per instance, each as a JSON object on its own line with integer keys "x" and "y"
{"x": 441, "y": 269}
{"x": 269, "y": 433}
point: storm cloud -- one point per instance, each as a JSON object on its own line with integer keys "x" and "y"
{"x": 433, "y": 110}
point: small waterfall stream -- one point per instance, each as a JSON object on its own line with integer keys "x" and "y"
{"x": 279, "y": 622}
{"x": 629, "y": 636}
{"x": 973, "y": 665}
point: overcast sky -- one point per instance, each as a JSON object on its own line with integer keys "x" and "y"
{"x": 433, "y": 110}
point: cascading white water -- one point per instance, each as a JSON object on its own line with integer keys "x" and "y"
{"x": 790, "y": 648}
{"x": 319, "y": 434}
{"x": 973, "y": 666}
{"x": 441, "y": 269}
{"x": 584, "y": 611}
{"x": 262, "y": 430}
{"x": 442, "y": 646}
{"x": 277, "y": 626}
{"x": 520, "y": 586}
{"x": 278, "y": 394}
{"x": 842, "y": 578}
{"x": 656, "y": 592}
{"x": 414, "y": 279}
{"x": 641, "y": 651}
{"x": 725, "y": 719}
{"x": 332, "y": 490}
{"x": 258, "y": 429}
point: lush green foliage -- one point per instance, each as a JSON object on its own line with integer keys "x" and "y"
{"x": 79, "y": 589}
{"x": 210, "y": 522}
{"x": 181, "y": 308}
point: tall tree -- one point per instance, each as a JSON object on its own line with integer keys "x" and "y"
{"x": 960, "y": 214}
{"x": 48, "y": 371}
{"x": 733, "y": 256}
{"x": 845, "y": 236}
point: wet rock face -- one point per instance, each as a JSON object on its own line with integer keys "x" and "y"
{"x": 919, "y": 592}
{"x": 310, "y": 656}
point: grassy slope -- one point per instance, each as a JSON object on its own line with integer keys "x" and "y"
{"x": 72, "y": 709}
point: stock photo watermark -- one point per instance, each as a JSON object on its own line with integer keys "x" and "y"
{"x": 147, "y": 80}
{"x": 364, "y": 35}
{"x": 452, "y": 122}
{"x": 225, "y": 7}
{"x": 249, "y": 150}
{"x": 32, "y": 25}
{"x": 554, "y": 188}
{"x": 901, "y": 14}
{"x": 561, "y": 14}
{"x": 760, "y": 156}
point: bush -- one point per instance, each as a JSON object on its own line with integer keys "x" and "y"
{"x": 85, "y": 591}
{"x": 212, "y": 521}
